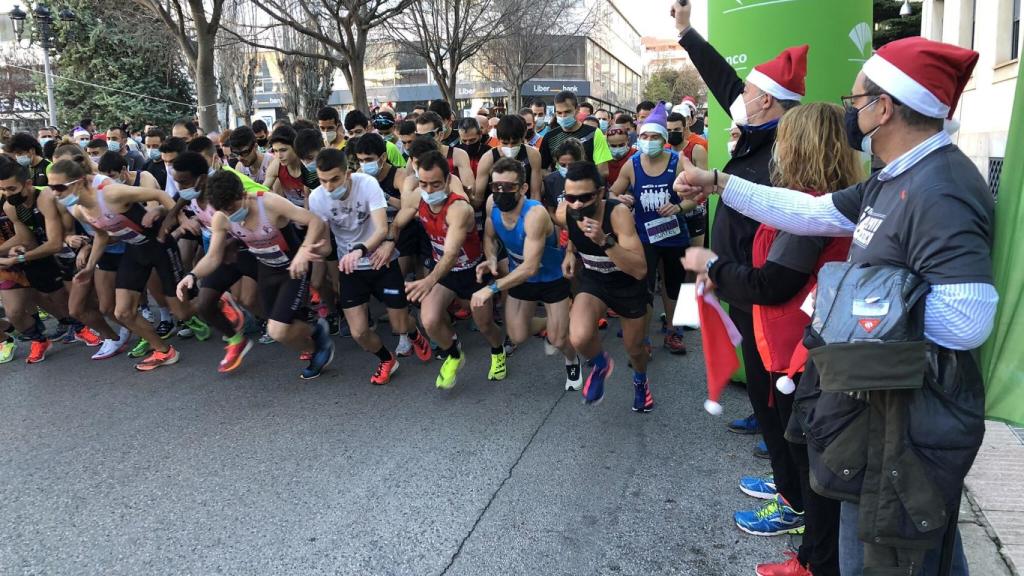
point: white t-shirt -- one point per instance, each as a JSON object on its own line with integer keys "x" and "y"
{"x": 349, "y": 218}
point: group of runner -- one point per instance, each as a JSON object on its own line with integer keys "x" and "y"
{"x": 284, "y": 234}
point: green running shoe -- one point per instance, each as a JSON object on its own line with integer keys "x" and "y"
{"x": 450, "y": 372}
{"x": 200, "y": 329}
{"x": 499, "y": 369}
{"x": 7, "y": 350}
{"x": 141, "y": 349}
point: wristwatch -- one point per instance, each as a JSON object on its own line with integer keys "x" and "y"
{"x": 711, "y": 262}
{"x": 494, "y": 287}
{"x": 21, "y": 258}
{"x": 389, "y": 238}
{"x": 361, "y": 247}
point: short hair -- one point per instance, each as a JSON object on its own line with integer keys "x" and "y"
{"x": 469, "y": 123}
{"x": 11, "y": 169}
{"x": 605, "y": 110}
{"x": 156, "y": 133}
{"x": 407, "y": 127}
{"x": 329, "y": 113}
{"x": 908, "y": 115}
{"x": 259, "y": 126}
{"x": 284, "y": 135}
{"x": 580, "y": 171}
{"x": 331, "y": 158}
{"x": 526, "y": 110}
{"x": 111, "y": 162}
{"x": 201, "y": 144}
{"x": 23, "y": 142}
{"x": 419, "y": 107}
{"x": 192, "y": 162}
{"x": 117, "y": 129}
{"x": 567, "y": 96}
{"x": 645, "y": 105}
{"x": 442, "y": 108}
{"x": 224, "y": 189}
{"x": 588, "y": 105}
{"x": 307, "y": 142}
{"x": 434, "y": 159}
{"x": 432, "y": 118}
{"x": 538, "y": 102}
{"x": 676, "y": 117}
{"x": 383, "y": 120}
{"x": 85, "y": 122}
{"x": 356, "y": 118}
{"x": 242, "y": 137}
{"x": 189, "y": 125}
{"x": 72, "y": 150}
{"x": 421, "y": 145}
{"x": 371, "y": 144}
{"x": 506, "y": 165}
{"x": 511, "y": 127}
{"x": 68, "y": 168}
{"x": 173, "y": 144}
{"x": 624, "y": 118}
{"x": 96, "y": 143}
{"x": 303, "y": 124}
{"x": 571, "y": 147}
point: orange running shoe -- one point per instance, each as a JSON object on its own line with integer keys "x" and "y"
{"x": 602, "y": 324}
{"x": 384, "y": 370}
{"x": 38, "y": 351}
{"x": 233, "y": 354}
{"x": 158, "y": 359}
{"x": 231, "y": 311}
{"x": 89, "y": 337}
{"x": 422, "y": 347}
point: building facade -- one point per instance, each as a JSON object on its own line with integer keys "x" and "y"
{"x": 991, "y": 27}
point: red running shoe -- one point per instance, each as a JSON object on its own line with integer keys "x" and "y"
{"x": 232, "y": 312}
{"x": 422, "y": 347}
{"x": 791, "y": 567}
{"x": 233, "y": 354}
{"x": 38, "y": 352}
{"x": 384, "y": 370}
{"x": 89, "y": 337}
{"x": 158, "y": 359}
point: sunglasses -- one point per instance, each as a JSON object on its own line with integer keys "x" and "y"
{"x": 380, "y": 123}
{"x": 241, "y": 151}
{"x": 570, "y": 198}
{"x": 63, "y": 187}
{"x": 500, "y": 187}
{"x": 615, "y": 131}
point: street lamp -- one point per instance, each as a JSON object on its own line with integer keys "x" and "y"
{"x": 42, "y": 19}
{"x": 906, "y": 9}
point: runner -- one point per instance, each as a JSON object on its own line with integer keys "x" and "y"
{"x": 329, "y": 122}
{"x": 622, "y": 151}
{"x": 268, "y": 225}
{"x": 595, "y": 147}
{"x": 524, "y": 227}
{"x": 354, "y": 207}
{"x": 448, "y": 221}
{"x": 604, "y": 235}
{"x": 29, "y": 153}
{"x": 248, "y": 158}
{"x": 285, "y": 172}
{"x": 554, "y": 183}
{"x": 472, "y": 141}
{"x": 429, "y": 123}
{"x": 511, "y": 136}
{"x": 357, "y": 124}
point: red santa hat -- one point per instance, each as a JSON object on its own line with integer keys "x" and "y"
{"x": 784, "y": 76}
{"x": 719, "y": 339}
{"x": 926, "y": 75}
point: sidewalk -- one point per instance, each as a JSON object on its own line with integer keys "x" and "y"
{"x": 994, "y": 503}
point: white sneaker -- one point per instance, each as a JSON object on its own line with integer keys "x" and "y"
{"x": 549, "y": 349}
{"x": 404, "y": 347}
{"x": 147, "y": 314}
{"x": 107, "y": 349}
{"x": 574, "y": 375}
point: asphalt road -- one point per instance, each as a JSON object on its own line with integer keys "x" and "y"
{"x": 104, "y": 470}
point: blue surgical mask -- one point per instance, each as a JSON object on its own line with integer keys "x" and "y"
{"x": 370, "y": 168}
{"x": 69, "y": 200}
{"x": 114, "y": 146}
{"x": 24, "y": 161}
{"x": 338, "y": 193}
{"x": 604, "y": 124}
{"x": 566, "y": 122}
{"x": 650, "y": 147}
{"x": 153, "y": 153}
{"x": 82, "y": 144}
{"x": 189, "y": 194}
{"x": 433, "y": 198}
{"x": 311, "y": 166}
{"x": 43, "y": 141}
{"x": 238, "y": 216}
{"x": 563, "y": 170}
{"x": 618, "y": 151}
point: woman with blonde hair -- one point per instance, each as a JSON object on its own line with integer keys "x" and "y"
{"x": 811, "y": 154}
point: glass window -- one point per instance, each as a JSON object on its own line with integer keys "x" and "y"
{"x": 1015, "y": 31}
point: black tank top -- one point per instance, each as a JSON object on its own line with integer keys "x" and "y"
{"x": 596, "y": 263}
{"x": 524, "y": 159}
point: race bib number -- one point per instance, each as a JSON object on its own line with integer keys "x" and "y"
{"x": 271, "y": 255}
{"x": 662, "y": 228}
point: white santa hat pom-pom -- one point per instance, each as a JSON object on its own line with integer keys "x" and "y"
{"x": 713, "y": 408}
{"x": 785, "y": 385}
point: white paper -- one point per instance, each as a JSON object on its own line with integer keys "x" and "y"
{"x": 686, "y": 313}
{"x": 808, "y": 306}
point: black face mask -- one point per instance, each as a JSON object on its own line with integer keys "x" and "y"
{"x": 16, "y": 199}
{"x": 506, "y": 201}
{"x": 530, "y": 133}
{"x": 675, "y": 138}
{"x": 854, "y": 135}
{"x": 698, "y": 126}
{"x": 475, "y": 150}
{"x": 261, "y": 142}
{"x": 587, "y": 211}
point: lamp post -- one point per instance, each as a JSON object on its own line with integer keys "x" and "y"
{"x": 43, "y": 33}
{"x": 906, "y": 9}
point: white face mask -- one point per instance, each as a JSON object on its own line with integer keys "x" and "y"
{"x": 731, "y": 147}
{"x": 330, "y": 136}
{"x": 493, "y": 133}
{"x": 511, "y": 151}
{"x": 433, "y": 198}
{"x": 738, "y": 110}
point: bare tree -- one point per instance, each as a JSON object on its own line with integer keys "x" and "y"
{"x": 308, "y": 81}
{"x": 342, "y": 29}
{"x": 536, "y": 36}
{"x": 448, "y": 33}
{"x": 238, "y": 62}
{"x": 194, "y": 24}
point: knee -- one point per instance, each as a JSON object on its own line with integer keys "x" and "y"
{"x": 516, "y": 334}
{"x": 125, "y": 314}
{"x": 277, "y": 330}
{"x": 106, "y": 309}
{"x": 578, "y": 337}
{"x": 359, "y": 333}
{"x": 432, "y": 319}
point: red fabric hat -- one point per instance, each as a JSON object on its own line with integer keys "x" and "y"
{"x": 719, "y": 338}
{"x": 784, "y": 76}
{"x": 926, "y": 75}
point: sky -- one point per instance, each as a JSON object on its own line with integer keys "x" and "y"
{"x": 656, "y": 20}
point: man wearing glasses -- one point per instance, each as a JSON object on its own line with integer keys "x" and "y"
{"x": 246, "y": 156}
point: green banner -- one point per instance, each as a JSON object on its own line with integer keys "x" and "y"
{"x": 749, "y": 32}
{"x": 1002, "y": 360}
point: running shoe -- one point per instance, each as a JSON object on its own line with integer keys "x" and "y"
{"x": 509, "y": 346}
{"x": 664, "y": 323}
{"x": 343, "y": 330}
{"x": 761, "y": 451}
{"x": 184, "y": 332}
{"x": 549, "y": 348}
{"x": 158, "y": 359}
{"x": 88, "y": 337}
{"x": 642, "y": 399}
{"x": 790, "y": 567}
{"x": 200, "y": 329}
{"x": 61, "y": 333}
{"x": 746, "y": 425}
{"x": 43, "y": 314}
{"x": 382, "y": 375}
{"x": 314, "y": 297}
{"x": 38, "y": 351}
{"x": 141, "y": 349}
{"x": 265, "y": 338}
{"x": 234, "y": 315}
{"x": 760, "y": 487}
{"x": 324, "y": 353}
{"x": 674, "y": 343}
{"x": 233, "y": 355}
{"x": 421, "y": 346}
{"x": 499, "y": 367}
{"x": 450, "y": 372}
{"x": 306, "y": 356}
{"x": 404, "y": 347}
{"x": 593, "y": 390}
{"x": 165, "y": 329}
{"x": 7, "y": 350}
{"x": 458, "y": 311}
{"x": 333, "y": 324}
{"x": 146, "y": 313}
{"x": 574, "y": 375}
{"x": 602, "y": 324}
{"x": 108, "y": 349}
{"x": 776, "y": 517}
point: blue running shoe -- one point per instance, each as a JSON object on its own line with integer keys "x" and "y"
{"x": 324, "y": 353}
{"x": 761, "y": 487}
{"x": 593, "y": 389}
{"x": 776, "y": 517}
{"x": 761, "y": 451}
{"x": 642, "y": 399}
{"x": 746, "y": 425}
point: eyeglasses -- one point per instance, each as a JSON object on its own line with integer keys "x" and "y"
{"x": 500, "y": 187}
{"x": 587, "y": 197}
{"x": 242, "y": 151}
{"x": 848, "y": 101}
{"x": 63, "y": 187}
